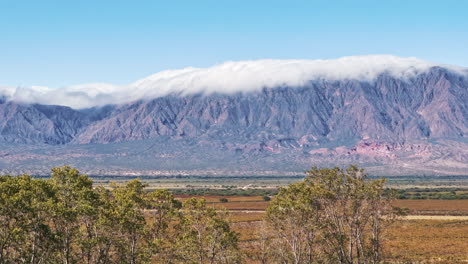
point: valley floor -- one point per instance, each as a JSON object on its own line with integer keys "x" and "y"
{"x": 436, "y": 231}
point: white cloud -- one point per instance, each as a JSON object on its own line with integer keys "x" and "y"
{"x": 229, "y": 77}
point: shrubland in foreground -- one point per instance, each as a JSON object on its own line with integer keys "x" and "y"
{"x": 332, "y": 216}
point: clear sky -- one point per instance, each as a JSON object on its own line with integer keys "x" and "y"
{"x": 59, "y": 43}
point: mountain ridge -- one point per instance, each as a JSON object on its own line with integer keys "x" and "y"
{"x": 388, "y": 122}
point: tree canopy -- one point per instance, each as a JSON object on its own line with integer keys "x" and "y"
{"x": 64, "y": 219}
{"x": 333, "y": 215}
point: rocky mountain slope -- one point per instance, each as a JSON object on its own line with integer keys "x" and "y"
{"x": 399, "y": 124}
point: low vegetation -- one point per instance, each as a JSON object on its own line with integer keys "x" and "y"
{"x": 433, "y": 193}
{"x": 65, "y": 220}
{"x": 332, "y": 216}
{"x": 226, "y": 192}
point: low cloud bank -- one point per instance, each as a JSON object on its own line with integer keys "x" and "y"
{"x": 229, "y": 77}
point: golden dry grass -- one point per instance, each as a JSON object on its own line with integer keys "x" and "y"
{"x": 434, "y": 205}
{"x": 242, "y": 216}
{"x": 434, "y": 241}
{"x": 411, "y": 240}
{"x": 407, "y": 241}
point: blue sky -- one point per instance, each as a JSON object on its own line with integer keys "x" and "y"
{"x": 59, "y": 43}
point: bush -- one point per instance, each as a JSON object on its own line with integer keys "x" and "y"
{"x": 327, "y": 210}
{"x": 64, "y": 219}
{"x": 223, "y": 200}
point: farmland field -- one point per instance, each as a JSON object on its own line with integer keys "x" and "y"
{"x": 426, "y": 207}
{"x": 435, "y": 232}
{"x": 407, "y": 241}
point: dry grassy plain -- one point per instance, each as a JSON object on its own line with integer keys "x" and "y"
{"x": 417, "y": 207}
{"x": 434, "y": 205}
{"x": 411, "y": 240}
{"x": 428, "y": 241}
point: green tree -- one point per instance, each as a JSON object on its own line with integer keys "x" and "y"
{"x": 73, "y": 208}
{"x": 163, "y": 210}
{"x": 334, "y": 216}
{"x": 205, "y": 235}
{"x": 356, "y": 212}
{"x": 24, "y": 234}
{"x": 128, "y": 202}
{"x": 100, "y": 238}
{"x": 295, "y": 217}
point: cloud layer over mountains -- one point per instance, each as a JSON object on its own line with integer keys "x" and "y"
{"x": 229, "y": 77}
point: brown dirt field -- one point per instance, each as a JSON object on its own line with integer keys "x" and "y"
{"x": 260, "y": 206}
{"x": 434, "y": 205}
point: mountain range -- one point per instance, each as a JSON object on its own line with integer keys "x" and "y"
{"x": 394, "y": 116}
